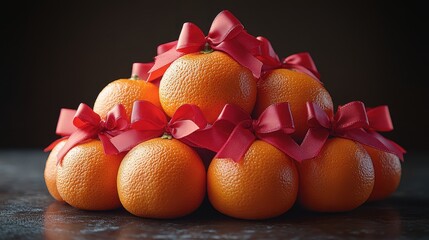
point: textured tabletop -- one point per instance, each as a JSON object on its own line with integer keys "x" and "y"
{"x": 28, "y": 211}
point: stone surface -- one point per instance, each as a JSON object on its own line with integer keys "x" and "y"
{"x": 27, "y": 211}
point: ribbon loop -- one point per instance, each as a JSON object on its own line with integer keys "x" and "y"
{"x": 85, "y": 124}
{"x": 379, "y": 119}
{"x": 226, "y": 34}
{"x": 352, "y": 122}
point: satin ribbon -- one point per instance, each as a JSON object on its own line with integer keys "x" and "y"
{"x": 301, "y": 62}
{"x": 148, "y": 121}
{"x": 351, "y": 121}
{"x": 238, "y": 131}
{"x": 82, "y": 124}
{"x": 226, "y": 34}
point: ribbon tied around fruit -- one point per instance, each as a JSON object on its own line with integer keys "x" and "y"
{"x": 148, "y": 121}
{"x": 351, "y": 121}
{"x": 82, "y": 124}
{"x": 274, "y": 126}
{"x": 301, "y": 62}
{"x": 226, "y": 34}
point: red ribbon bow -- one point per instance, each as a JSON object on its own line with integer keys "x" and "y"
{"x": 237, "y": 130}
{"x": 148, "y": 121}
{"x": 226, "y": 34}
{"x": 301, "y": 62}
{"x": 351, "y": 121}
{"x": 83, "y": 124}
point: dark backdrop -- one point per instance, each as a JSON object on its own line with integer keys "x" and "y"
{"x": 59, "y": 54}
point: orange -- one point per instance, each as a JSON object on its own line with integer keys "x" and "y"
{"x": 125, "y": 92}
{"x": 339, "y": 179}
{"x": 86, "y": 179}
{"x": 263, "y": 184}
{"x": 161, "y": 178}
{"x": 296, "y": 88}
{"x": 50, "y": 173}
{"x": 387, "y": 169}
{"x": 208, "y": 80}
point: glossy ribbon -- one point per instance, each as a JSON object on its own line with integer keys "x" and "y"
{"x": 301, "y": 62}
{"x": 351, "y": 121}
{"x": 82, "y": 124}
{"x": 226, "y": 34}
{"x": 238, "y": 131}
{"x": 148, "y": 121}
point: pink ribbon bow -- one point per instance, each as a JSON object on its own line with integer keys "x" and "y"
{"x": 351, "y": 121}
{"x": 82, "y": 124}
{"x": 301, "y": 62}
{"x": 237, "y": 130}
{"x": 148, "y": 121}
{"x": 226, "y": 34}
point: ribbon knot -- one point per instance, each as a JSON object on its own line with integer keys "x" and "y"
{"x": 226, "y": 34}
{"x": 351, "y": 121}
{"x": 301, "y": 62}
{"x": 83, "y": 124}
{"x": 148, "y": 121}
{"x": 238, "y": 131}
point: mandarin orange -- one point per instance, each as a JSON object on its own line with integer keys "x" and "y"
{"x": 387, "y": 170}
{"x": 50, "y": 173}
{"x": 296, "y": 88}
{"x": 125, "y": 92}
{"x": 263, "y": 184}
{"x": 209, "y": 80}
{"x": 86, "y": 179}
{"x": 161, "y": 178}
{"x": 339, "y": 179}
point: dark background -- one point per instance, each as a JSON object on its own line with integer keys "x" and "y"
{"x": 59, "y": 54}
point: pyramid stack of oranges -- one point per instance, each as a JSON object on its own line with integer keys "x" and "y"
{"x": 198, "y": 122}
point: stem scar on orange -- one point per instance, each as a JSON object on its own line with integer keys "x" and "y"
{"x": 263, "y": 184}
{"x": 210, "y": 80}
{"x": 296, "y": 88}
{"x": 340, "y": 178}
{"x": 161, "y": 178}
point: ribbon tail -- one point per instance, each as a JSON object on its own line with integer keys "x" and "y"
{"x": 242, "y": 56}
{"x": 54, "y": 143}
{"x": 313, "y": 143}
{"x": 77, "y": 137}
{"x": 237, "y": 144}
{"x": 284, "y": 143}
{"x": 162, "y": 62}
{"x": 108, "y": 147}
{"x": 129, "y": 139}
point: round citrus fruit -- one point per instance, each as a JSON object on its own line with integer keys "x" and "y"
{"x": 387, "y": 170}
{"x": 161, "y": 178}
{"x": 296, "y": 88}
{"x": 50, "y": 173}
{"x": 208, "y": 80}
{"x": 125, "y": 92}
{"x": 339, "y": 179}
{"x": 263, "y": 184}
{"x": 86, "y": 179}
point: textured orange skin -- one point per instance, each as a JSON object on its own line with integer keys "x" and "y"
{"x": 387, "y": 169}
{"x": 296, "y": 88}
{"x": 264, "y": 184}
{"x": 125, "y": 92}
{"x": 50, "y": 173}
{"x": 86, "y": 179}
{"x": 161, "y": 178}
{"x": 208, "y": 80}
{"x": 339, "y": 179}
